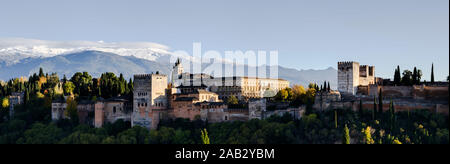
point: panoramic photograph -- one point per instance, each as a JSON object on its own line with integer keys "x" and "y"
{"x": 224, "y": 73}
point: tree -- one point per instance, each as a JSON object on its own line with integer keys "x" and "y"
{"x": 232, "y": 100}
{"x": 130, "y": 86}
{"x": 71, "y": 110}
{"x": 397, "y": 77}
{"x": 346, "y": 137}
{"x": 432, "y": 73}
{"x": 205, "y": 137}
{"x": 135, "y": 135}
{"x": 96, "y": 91}
{"x": 298, "y": 90}
{"x": 335, "y": 119}
{"x": 360, "y": 108}
{"x": 68, "y": 87}
{"x": 380, "y": 101}
{"x": 407, "y": 78}
{"x": 5, "y": 102}
{"x": 83, "y": 83}
{"x": 285, "y": 95}
{"x": 299, "y": 95}
{"x": 367, "y": 135}
{"x": 41, "y": 134}
{"x": 79, "y": 137}
{"x": 41, "y": 72}
{"x": 374, "y": 107}
{"x": 392, "y": 114}
{"x": 312, "y": 86}
{"x": 419, "y": 76}
{"x": 27, "y": 96}
{"x": 64, "y": 78}
{"x": 122, "y": 84}
{"x": 416, "y": 76}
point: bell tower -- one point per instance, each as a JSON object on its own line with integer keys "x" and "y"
{"x": 176, "y": 71}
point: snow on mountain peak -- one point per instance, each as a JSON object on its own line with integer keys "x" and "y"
{"x": 12, "y": 50}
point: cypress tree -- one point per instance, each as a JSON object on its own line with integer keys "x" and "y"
{"x": 64, "y": 78}
{"x": 374, "y": 107}
{"x": 41, "y": 72}
{"x": 380, "y": 101}
{"x": 329, "y": 88}
{"x": 392, "y": 114}
{"x": 414, "y": 76}
{"x": 360, "y": 108}
{"x": 130, "y": 85}
{"x": 26, "y": 97}
{"x": 397, "y": 76}
{"x": 335, "y": 119}
{"x": 346, "y": 137}
{"x": 432, "y": 73}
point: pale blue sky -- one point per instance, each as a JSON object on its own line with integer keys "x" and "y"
{"x": 312, "y": 34}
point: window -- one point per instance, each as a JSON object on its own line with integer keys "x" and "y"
{"x": 114, "y": 110}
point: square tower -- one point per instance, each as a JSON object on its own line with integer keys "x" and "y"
{"x": 149, "y": 97}
{"x": 366, "y": 75}
{"x": 348, "y": 77}
{"x": 177, "y": 70}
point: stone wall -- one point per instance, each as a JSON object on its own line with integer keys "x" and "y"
{"x": 418, "y": 92}
{"x": 256, "y": 108}
{"x": 348, "y": 77}
{"x": 399, "y": 105}
{"x": 58, "y": 109}
{"x": 149, "y": 97}
{"x": 323, "y": 100}
{"x": 110, "y": 111}
{"x": 296, "y": 113}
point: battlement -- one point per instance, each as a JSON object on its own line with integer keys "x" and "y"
{"x": 351, "y": 75}
{"x": 346, "y": 64}
{"x": 371, "y": 70}
{"x": 147, "y": 76}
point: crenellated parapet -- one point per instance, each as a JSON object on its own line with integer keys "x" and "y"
{"x": 346, "y": 65}
{"x": 351, "y": 75}
{"x": 147, "y": 76}
{"x": 142, "y": 76}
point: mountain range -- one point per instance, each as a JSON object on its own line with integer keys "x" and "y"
{"x": 23, "y": 57}
{"x": 97, "y": 62}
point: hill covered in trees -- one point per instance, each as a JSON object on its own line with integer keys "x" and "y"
{"x": 32, "y": 122}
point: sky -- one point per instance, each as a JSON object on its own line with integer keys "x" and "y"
{"x": 308, "y": 34}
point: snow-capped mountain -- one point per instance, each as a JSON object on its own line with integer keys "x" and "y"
{"x": 23, "y": 57}
{"x": 12, "y": 50}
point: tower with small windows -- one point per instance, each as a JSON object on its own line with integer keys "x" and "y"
{"x": 177, "y": 70}
{"x": 149, "y": 97}
{"x": 352, "y": 74}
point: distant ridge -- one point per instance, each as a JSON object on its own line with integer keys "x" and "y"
{"x": 98, "y": 62}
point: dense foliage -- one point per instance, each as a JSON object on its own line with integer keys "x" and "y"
{"x": 414, "y": 127}
{"x": 32, "y": 122}
{"x": 408, "y": 78}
